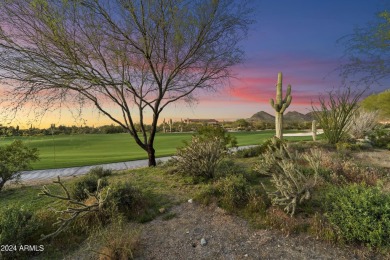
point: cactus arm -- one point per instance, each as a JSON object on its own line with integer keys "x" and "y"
{"x": 288, "y": 101}
{"x": 288, "y": 93}
{"x": 271, "y": 101}
{"x": 279, "y": 89}
{"x": 284, "y": 106}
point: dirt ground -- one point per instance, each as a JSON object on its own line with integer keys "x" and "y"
{"x": 227, "y": 237}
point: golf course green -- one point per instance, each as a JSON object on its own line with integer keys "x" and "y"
{"x": 61, "y": 151}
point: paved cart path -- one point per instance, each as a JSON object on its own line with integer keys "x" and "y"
{"x": 49, "y": 174}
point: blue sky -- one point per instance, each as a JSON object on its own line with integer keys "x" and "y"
{"x": 298, "y": 38}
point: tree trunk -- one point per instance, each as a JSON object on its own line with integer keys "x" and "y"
{"x": 151, "y": 156}
{"x": 279, "y": 125}
{"x": 1, "y": 184}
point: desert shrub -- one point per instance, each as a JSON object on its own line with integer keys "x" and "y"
{"x": 340, "y": 171}
{"x": 380, "y": 138}
{"x": 321, "y": 228}
{"x": 233, "y": 192}
{"x": 207, "y": 194}
{"x": 253, "y": 151}
{"x": 126, "y": 199}
{"x": 17, "y": 227}
{"x": 100, "y": 172}
{"x": 292, "y": 181}
{"x": 249, "y": 152}
{"x": 258, "y": 201}
{"x": 347, "y": 146}
{"x": 278, "y": 219}
{"x": 362, "y": 123}
{"x": 88, "y": 182}
{"x": 360, "y": 213}
{"x": 200, "y": 158}
{"x": 119, "y": 244}
{"x": 217, "y": 132}
{"x": 119, "y": 240}
{"x": 228, "y": 167}
{"x": 336, "y": 112}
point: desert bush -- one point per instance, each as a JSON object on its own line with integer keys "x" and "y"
{"x": 340, "y": 171}
{"x": 362, "y": 123}
{"x": 360, "y": 214}
{"x": 336, "y": 112}
{"x": 217, "y": 132}
{"x": 126, "y": 199}
{"x": 85, "y": 183}
{"x": 258, "y": 201}
{"x": 200, "y": 158}
{"x": 207, "y": 194}
{"x": 100, "y": 172}
{"x": 233, "y": 192}
{"x": 347, "y": 146}
{"x": 14, "y": 158}
{"x": 117, "y": 241}
{"x": 253, "y": 151}
{"x": 278, "y": 219}
{"x": 380, "y": 137}
{"x": 18, "y": 226}
{"x": 290, "y": 178}
{"x": 321, "y": 228}
{"x": 228, "y": 167}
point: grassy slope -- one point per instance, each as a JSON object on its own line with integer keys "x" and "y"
{"x": 80, "y": 150}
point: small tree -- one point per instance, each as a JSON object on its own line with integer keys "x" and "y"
{"x": 15, "y": 158}
{"x": 335, "y": 113}
{"x": 128, "y": 59}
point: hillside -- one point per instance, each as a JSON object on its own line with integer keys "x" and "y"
{"x": 294, "y": 116}
{"x": 291, "y": 116}
{"x": 262, "y": 116}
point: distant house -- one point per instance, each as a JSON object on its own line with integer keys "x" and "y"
{"x": 201, "y": 121}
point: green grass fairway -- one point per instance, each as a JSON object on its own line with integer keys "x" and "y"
{"x": 80, "y": 150}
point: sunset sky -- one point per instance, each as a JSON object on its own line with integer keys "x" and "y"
{"x": 298, "y": 38}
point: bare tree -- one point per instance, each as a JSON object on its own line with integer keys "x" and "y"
{"x": 137, "y": 56}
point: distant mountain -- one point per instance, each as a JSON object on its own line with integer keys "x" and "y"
{"x": 292, "y": 116}
{"x": 262, "y": 116}
{"x": 310, "y": 115}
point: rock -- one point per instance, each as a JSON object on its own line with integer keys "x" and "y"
{"x": 203, "y": 242}
{"x": 161, "y": 210}
{"x": 190, "y": 201}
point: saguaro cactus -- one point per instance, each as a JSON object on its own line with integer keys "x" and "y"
{"x": 280, "y": 106}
